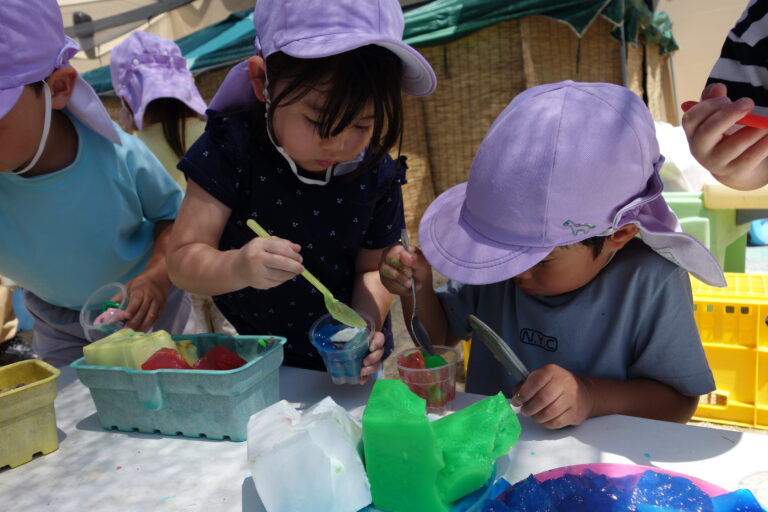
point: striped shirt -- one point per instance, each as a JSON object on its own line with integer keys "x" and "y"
{"x": 743, "y": 62}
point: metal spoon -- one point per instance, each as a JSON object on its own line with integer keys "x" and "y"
{"x": 335, "y": 307}
{"x": 418, "y": 331}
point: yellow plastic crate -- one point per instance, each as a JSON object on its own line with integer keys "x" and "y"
{"x": 27, "y": 417}
{"x": 731, "y": 323}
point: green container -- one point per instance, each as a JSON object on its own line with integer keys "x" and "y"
{"x": 191, "y": 403}
{"x": 717, "y": 230}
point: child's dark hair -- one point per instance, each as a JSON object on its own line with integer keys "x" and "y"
{"x": 367, "y": 75}
{"x": 173, "y": 114}
{"x": 595, "y": 243}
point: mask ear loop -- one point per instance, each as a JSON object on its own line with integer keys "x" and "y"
{"x": 309, "y": 181}
{"x": 125, "y": 116}
{"x": 610, "y": 259}
{"x": 46, "y": 129}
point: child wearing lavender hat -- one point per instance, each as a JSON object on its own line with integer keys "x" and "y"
{"x": 297, "y": 139}
{"x": 562, "y": 243}
{"x": 83, "y": 204}
{"x": 162, "y": 107}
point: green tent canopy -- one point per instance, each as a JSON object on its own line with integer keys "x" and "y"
{"x": 430, "y": 24}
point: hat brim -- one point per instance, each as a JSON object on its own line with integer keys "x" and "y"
{"x": 179, "y": 88}
{"x": 85, "y": 105}
{"x": 8, "y": 98}
{"x": 660, "y": 230}
{"x": 459, "y": 252}
{"x": 681, "y": 249}
{"x": 235, "y": 91}
{"x": 418, "y": 76}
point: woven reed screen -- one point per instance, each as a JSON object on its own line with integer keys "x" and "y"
{"x": 480, "y": 74}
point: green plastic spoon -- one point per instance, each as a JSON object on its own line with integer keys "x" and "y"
{"x": 336, "y": 308}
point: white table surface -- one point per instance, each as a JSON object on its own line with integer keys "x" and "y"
{"x": 94, "y": 469}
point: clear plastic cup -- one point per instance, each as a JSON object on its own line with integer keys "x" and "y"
{"x": 435, "y": 385}
{"x": 343, "y": 360}
{"x": 104, "y": 311}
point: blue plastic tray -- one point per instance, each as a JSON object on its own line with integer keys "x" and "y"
{"x": 192, "y": 403}
{"x": 472, "y": 502}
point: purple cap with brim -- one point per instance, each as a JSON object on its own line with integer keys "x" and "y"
{"x": 562, "y": 163}
{"x": 32, "y": 46}
{"x": 145, "y": 67}
{"x": 311, "y": 29}
{"x": 8, "y": 98}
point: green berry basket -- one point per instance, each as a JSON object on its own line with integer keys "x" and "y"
{"x": 191, "y": 403}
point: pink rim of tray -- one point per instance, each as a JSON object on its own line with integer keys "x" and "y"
{"x": 619, "y": 470}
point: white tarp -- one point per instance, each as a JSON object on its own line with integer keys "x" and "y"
{"x": 173, "y": 24}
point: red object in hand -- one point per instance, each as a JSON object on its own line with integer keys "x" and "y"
{"x": 165, "y": 358}
{"x": 219, "y": 358}
{"x": 753, "y": 120}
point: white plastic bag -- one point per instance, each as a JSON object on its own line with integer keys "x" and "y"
{"x": 307, "y": 462}
{"x": 680, "y": 172}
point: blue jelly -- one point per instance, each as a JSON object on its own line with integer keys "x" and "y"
{"x": 737, "y": 501}
{"x": 591, "y": 492}
{"x": 670, "y": 491}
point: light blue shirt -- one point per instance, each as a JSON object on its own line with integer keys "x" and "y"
{"x": 633, "y": 320}
{"x": 64, "y": 234}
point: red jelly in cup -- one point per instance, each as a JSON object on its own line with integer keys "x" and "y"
{"x": 435, "y": 384}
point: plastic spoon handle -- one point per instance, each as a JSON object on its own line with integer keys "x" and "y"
{"x": 752, "y": 120}
{"x": 335, "y": 307}
{"x": 256, "y": 227}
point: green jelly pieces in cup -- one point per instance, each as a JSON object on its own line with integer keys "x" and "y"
{"x": 432, "y": 377}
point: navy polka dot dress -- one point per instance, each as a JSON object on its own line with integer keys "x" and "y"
{"x": 331, "y": 223}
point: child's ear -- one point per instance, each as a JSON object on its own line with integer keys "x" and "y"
{"x": 257, "y": 72}
{"x": 622, "y": 236}
{"x": 62, "y": 84}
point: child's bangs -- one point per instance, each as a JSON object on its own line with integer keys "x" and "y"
{"x": 357, "y": 83}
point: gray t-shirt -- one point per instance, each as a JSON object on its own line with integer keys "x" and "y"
{"x": 633, "y": 320}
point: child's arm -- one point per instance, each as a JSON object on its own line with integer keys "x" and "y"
{"x": 735, "y": 158}
{"x": 148, "y": 291}
{"x": 370, "y": 297}
{"x": 396, "y": 269}
{"x": 556, "y": 398}
{"x": 195, "y": 264}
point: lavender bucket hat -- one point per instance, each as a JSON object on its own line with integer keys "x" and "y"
{"x": 32, "y": 46}
{"x": 562, "y": 163}
{"x": 311, "y": 29}
{"x": 145, "y": 67}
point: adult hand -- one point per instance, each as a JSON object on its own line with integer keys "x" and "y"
{"x": 734, "y": 155}
{"x": 554, "y": 397}
{"x": 267, "y": 262}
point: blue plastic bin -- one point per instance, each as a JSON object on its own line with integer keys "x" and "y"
{"x": 192, "y": 403}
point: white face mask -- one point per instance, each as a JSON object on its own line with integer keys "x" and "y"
{"x": 46, "y": 129}
{"x": 337, "y": 169}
